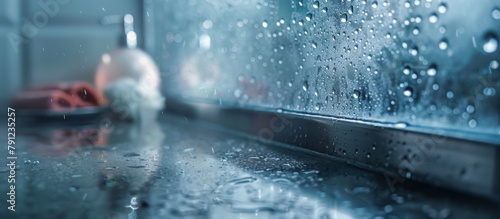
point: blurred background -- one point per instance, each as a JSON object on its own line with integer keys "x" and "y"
{"x": 408, "y": 90}
{"x": 421, "y": 63}
{"x": 52, "y": 41}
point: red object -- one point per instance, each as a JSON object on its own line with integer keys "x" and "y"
{"x": 49, "y": 99}
{"x": 60, "y": 96}
{"x": 82, "y": 93}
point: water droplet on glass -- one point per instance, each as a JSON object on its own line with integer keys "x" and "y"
{"x": 489, "y": 91}
{"x": 490, "y": 43}
{"x": 416, "y": 31}
{"x": 408, "y": 175}
{"x": 238, "y": 93}
{"x": 356, "y": 94}
{"x": 472, "y": 123}
{"x": 309, "y": 16}
{"x": 433, "y": 18}
{"x": 494, "y": 64}
{"x": 408, "y": 91}
{"x": 374, "y": 4}
{"x": 442, "y": 8}
{"x": 316, "y": 4}
{"x": 450, "y": 94}
{"x": 470, "y": 109}
{"x": 350, "y": 10}
{"x": 314, "y": 45}
{"x": 207, "y": 24}
{"x": 343, "y": 18}
{"x": 264, "y": 24}
{"x": 418, "y": 19}
{"x": 442, "y": 29}
{"x": 414, "y": 51}
{"x": 305, "y": 86}
{"x": 432, "y": 70}
{"x": 388, "y": 209}
{"x": 406, "y": 70}
{"x": 443, "y": 44}
{"x": 495, "y": 13}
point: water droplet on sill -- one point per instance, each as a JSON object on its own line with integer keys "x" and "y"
{"x": 131, "y": 154}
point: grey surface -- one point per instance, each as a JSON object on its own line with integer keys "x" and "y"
{"x": 398, "y": 152}
{"x": 180, "y": 168}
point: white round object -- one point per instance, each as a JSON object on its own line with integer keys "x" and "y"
{"x": 130, "y": 82}
{"x": 126, "y": 63}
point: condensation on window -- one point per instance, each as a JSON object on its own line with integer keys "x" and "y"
{"x": 421, "y": 62}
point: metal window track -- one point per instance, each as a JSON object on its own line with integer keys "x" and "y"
{"x": 437, "y": 157}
